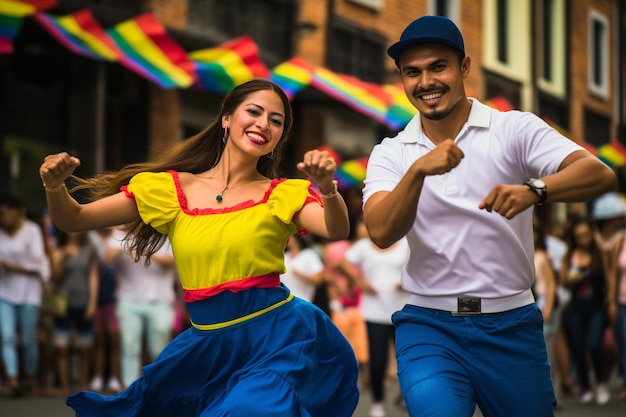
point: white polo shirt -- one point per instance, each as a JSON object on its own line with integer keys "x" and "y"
{"x": 456, "y": 248}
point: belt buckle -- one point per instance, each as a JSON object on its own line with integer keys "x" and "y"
{"x": 468, "y": 306}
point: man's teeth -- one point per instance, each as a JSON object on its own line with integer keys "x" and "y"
{"x": 431, "y": 96}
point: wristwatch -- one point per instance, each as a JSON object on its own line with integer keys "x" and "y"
{"x": 538, "y": 187}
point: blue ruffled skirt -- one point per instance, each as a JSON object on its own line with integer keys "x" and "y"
{"x": 289, "y": 361}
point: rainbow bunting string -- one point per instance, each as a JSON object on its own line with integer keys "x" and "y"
{"x": 292, "y": 76}
{"x": 12, "y": 13}
{"x": 354, "y": 93}
{"x": 81, "y": 34}
{"x": 226, "y": 66}
{"x": 151, "y": 53}
{"x": 143, "y": 45}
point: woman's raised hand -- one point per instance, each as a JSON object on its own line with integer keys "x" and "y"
{"x": 56, "y": 168}
{"x": 320, "y": 166}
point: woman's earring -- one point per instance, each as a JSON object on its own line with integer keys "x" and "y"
{"x": 270, "y": 155}
{"x": 225, "y": 138}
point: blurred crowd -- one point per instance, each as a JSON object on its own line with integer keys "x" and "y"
{"x": 79, "y": 313}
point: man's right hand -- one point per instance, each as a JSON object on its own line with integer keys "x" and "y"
{"x": 440, "y": 160}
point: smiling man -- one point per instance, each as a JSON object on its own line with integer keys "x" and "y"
{"x": 460, "y": 181}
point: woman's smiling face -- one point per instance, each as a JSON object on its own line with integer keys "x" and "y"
{"x": 257, "y": 125}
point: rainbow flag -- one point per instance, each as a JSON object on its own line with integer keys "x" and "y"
{"x": 366, "y": 98}
{"x": 150, "y": 52}
{"x": 12, "y": 13}
{"x": 400, "y": 111}
{"x": 226, "y": 66}
{"x": 81, "y": 34}
{"x": 293, "y": 76}
{"x": 613, "y": 154}
{"x": 351, "y": 173}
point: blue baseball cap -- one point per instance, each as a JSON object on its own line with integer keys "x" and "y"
{"x": 428, "y": 29}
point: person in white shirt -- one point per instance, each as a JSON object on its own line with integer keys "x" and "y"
{"x": 145, "y": 304}
{"x": 106, "y": 327}
{"x": 460, "y": 182}
{"x": 304, "y": 270}
{"x": 378, "y": 273}
{"x": 24, "y": 265}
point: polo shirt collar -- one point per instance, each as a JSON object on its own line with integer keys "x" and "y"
{"x": 480, "y": 116}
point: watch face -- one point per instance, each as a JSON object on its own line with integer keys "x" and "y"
{"x": 538, "y": 183}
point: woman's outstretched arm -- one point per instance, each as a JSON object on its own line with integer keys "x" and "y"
{"x": 70, "y": 216}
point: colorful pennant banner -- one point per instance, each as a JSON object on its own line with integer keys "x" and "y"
{"x": 143, "y": 45}
{"x": 82, "y": 34}
{"x": 362, "y": 97}
{"x": 293, "y": 76}
{"x": 400, "y": 111}
{"x": 613, "y": 154}
{"x": 12, "y": 13}
{"x": 151, "y": 53}
{"x": 351, "y": 173}
{"x": 226, "y": 66}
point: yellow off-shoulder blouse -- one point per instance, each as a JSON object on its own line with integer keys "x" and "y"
{"x": 232, "y": 248}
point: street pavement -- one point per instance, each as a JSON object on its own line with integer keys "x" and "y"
{"x": 569, "y": 406}
{"x": 42, "y": 406}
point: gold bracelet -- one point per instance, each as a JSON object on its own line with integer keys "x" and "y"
{"x": 55, "y": 189}
{"x": 331, "y": 194}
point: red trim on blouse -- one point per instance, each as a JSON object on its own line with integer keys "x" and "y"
{"x": 124, "y": 189}
{"x": 270, "y": 280}
{"x": 182, "y": 200}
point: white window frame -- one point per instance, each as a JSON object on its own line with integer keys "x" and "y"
{"x": 557, "y": 86}
{"x": 519, "y": 66}
{"x": 370, "y": 4}
{"x": 453, "y": 6}
{"x": 601, "y": 89}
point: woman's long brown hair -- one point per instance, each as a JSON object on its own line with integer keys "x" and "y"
{"x": 195, "y": 155}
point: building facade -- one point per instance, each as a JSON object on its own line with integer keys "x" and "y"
{"x": 564, "y": 60}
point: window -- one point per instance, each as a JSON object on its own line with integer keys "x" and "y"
{"x": 502, "y": 31}
{"x": 547, "y": 17}
{"x": 447, "y": 8}
{"x": 357, "y": 52}
{"x": 499, "y": 86}
{"x": 598, "y": 54}
{"x": 551, "y": 59}
{"x": 597, "y": 128}
{"x": 370, "y": 4}
{"x": 112, "y": 11}
{"x": 268, "y": 22}
{"x": 506, "y": 40}
{"x": 554, "y": 110}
